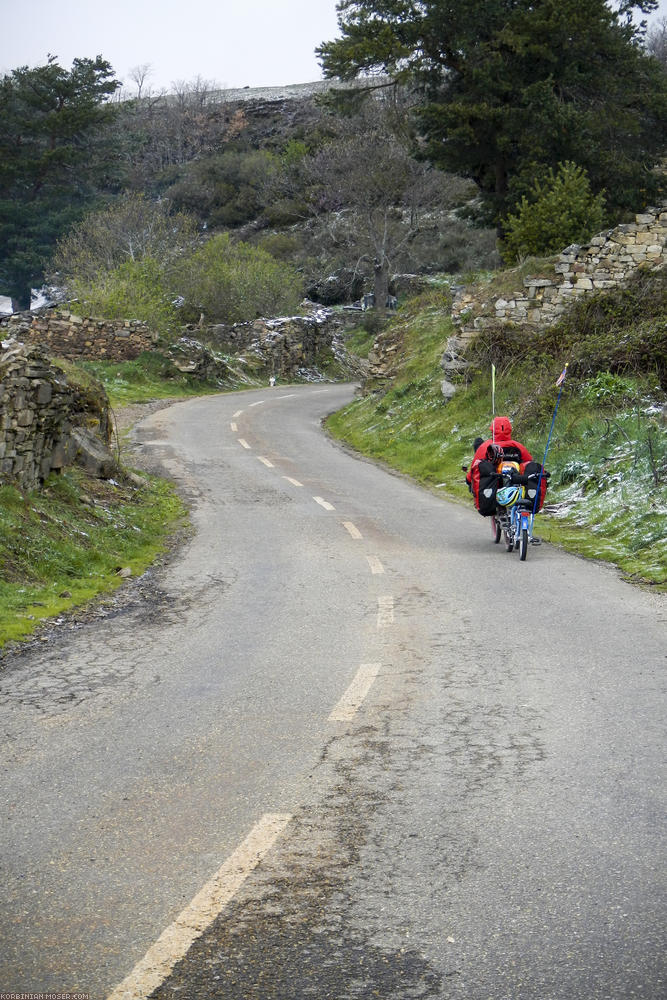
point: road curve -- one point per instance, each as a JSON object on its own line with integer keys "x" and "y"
{"x": 347, "y": 747}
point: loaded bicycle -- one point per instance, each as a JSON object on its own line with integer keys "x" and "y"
{"x": 517, "y": 501}
{"x": 510, "y": 494}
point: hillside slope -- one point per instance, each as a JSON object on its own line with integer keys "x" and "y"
{"x": 608, "y": 454}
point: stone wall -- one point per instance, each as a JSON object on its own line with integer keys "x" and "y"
{"x": 66, "y": 335}
{"x": 288, "y": 346}
{"x": 607, "y": 261}
{"x": 47, "y": 423}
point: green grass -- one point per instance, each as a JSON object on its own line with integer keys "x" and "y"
{"x": 608, "y": 455}
{"x": 151, "y": 376}
{"x": 63, "y": 545}
{"x": 359, "y": 341}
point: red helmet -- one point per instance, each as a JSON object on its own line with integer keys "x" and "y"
{"x": 494, "y": 454}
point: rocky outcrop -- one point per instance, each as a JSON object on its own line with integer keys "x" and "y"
{"x": 66, "y": 335}
{"x": 289, "y": 346}
{"x": 48, "y": 422}
{"x": 344, "y": 285}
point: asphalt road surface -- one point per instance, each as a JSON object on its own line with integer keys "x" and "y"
{"x": 342, "y": 746}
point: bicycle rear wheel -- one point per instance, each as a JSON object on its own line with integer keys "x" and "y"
{"x": 496, "y": 530}
{"x": 523, "y": 544}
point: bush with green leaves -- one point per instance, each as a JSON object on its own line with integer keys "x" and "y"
{"x": 561, "y": 210}
{"x": 233, "y": 282}
{"x": 136, "y": 289}
{"x": 225, "y": 189}
{"x": 609, "y": 388}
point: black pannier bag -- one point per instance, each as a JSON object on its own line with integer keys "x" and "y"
{"x": 532, "y": 469}
{"x": 484, "y": 480}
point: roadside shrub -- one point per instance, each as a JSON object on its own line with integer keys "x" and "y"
{"x": 133, "y": 228}
{"x": 231, "y": 283}
{"x": 608, "y": 388}
{"x": 560, "y": 211}
{"x": 133, "y": 290}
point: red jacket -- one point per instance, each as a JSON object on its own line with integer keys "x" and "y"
{"x": 501, "y": 434}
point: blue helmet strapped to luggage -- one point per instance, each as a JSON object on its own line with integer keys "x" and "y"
{"x": 507, "y": 496}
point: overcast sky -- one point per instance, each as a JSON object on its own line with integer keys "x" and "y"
{"x": 235, "y": 43}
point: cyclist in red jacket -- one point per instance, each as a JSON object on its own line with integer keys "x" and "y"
{"x": 501, "y": 436}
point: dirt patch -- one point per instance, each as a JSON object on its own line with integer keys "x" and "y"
{"x": 126, "y": 417}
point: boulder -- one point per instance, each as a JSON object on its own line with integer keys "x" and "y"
{"x": 92, "y": 454}
{"x": 343, "y": 286}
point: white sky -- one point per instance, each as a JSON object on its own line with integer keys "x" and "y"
{"x": 234, "y": 43}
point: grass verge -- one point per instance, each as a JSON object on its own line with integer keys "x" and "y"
{"x": 151, "y": 376}
{"x": 65, "y": 544}
{"x": 607, "y": 497}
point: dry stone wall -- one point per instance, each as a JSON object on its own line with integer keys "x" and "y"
{"x": 288, "y": 346}
{"x": 66, "y": 335}
{"x": 606, "y": 262}
{"x": 45, "y": 422}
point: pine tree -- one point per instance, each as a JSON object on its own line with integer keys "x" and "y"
{"x": 53, "y": 160}
{"x": 513, "y": 87}
{"x": 560, "y": 211}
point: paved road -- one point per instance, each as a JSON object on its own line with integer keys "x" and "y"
{"x": 344, "y": 747}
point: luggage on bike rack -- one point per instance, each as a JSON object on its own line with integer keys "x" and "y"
{"x": 532, "y": 470}
{"x": 484, "y": 482}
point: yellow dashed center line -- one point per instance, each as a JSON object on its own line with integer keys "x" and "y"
{"x": 174, "y": 943}
{"x": 349, "y": 704}
{"x": 385, "y": 611}
{"x": 352, "y": 529}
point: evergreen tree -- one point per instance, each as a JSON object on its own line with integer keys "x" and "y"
{"x": 513, "y": 87}
{"x": 560, "y": 211}
{"x": 53, "y": 160}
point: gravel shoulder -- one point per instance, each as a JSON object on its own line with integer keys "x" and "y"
{"x": 125, "y": 417}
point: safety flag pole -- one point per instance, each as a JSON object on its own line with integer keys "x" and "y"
{"x": 493, "y": 400}
{"x": 560, "y": 383}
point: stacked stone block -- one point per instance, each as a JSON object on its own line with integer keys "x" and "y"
{"x": 606, "y": 262}
{"x": 66, "y": 335}
{"x": 286, "y": 345}
{"x": 44, "y": 421}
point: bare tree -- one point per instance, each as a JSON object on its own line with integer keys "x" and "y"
{"x": 163, "y": 131}
{"x": 139, "y": 76}
{"x": 132, "y": 229}
{"x": 656, "y": 41}
{"x": 371, "y": 196}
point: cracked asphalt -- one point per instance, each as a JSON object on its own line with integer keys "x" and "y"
{"x": 490, "y": 824}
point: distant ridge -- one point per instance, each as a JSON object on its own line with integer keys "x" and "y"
{"x": 289, "y": 91}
